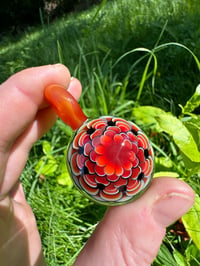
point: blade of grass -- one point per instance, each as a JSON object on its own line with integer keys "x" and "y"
{"x": 145, "y": 73}
{"x": 101, "y": 95}
{"x": 166, "y": 45}
{"x": 60, "y": 53}
{"x": 100, "y": 7}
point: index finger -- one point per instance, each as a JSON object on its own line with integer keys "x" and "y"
{"x": 24, "y": 116}
{"x": 21, "y": 97}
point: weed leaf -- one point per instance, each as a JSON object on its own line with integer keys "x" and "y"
{"x": 193, "y": 102}
{"x": 147, "y": 115}
{"x": 163, "y": 163}
{"x": 162, "y": 121}
{"x": 46, "y": 147}
{"x": 193, "y": 125}
{"x": 193, "y": 167}
{"x": 64, "y": 179}
{"x": 191, "y": 221}
{"x": 181, "y": 135}
{"x": 46, "y": 166}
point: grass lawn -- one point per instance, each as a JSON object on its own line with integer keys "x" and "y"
{"x": 127, "y": 55}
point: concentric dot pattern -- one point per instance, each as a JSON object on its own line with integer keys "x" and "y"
{"x": 111, "y": 160}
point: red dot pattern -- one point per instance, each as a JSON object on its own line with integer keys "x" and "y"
{"x": 110, "y": 160}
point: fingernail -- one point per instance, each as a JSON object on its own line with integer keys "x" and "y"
{"x": 171, "y": 207}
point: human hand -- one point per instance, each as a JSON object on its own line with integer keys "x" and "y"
{"x": 24, "y": 118}
{"x": 128, "y": 235}
{"x": 132, "y": 234}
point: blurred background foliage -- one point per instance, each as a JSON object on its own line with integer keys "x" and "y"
{"x": 105, "y": 34}
{"x": 16, "y": 15}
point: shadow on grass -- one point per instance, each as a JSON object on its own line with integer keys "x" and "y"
{"x": 93, "y": 213}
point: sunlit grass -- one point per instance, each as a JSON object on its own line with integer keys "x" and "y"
{"x": 120, "y": 26}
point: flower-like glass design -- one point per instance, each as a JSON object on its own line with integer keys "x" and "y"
{"x": 110, "y": 160}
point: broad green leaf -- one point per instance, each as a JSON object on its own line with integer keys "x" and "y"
{"x": 162, "y": 121}
{"x": 181, "y": 135}
{"x": 193, "y": 125}
{"x": 46, "y": 166}
{"x": 191, "y": 221}
{"x": 46, "y": 147}
{"x": 193, "y": 102}
{"x": 192, "y": 167}
{"x": 147, "y": 115}
{"x": 163, "y": 163}
{"x": 64, "y": 179}
{"x": 165, "y": 173}
{"x": 179, "y": 258}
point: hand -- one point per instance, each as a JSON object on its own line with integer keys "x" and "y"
{"x": 127, "y": 235}
{"x": 24, "y": 118}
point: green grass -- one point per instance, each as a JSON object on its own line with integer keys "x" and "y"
{"x": 65, "y": 219}
{"x": 119, "y": 27}
{"x": 99, "y": 47}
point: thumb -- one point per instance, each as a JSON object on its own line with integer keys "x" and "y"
{"x": 132, "y": 234}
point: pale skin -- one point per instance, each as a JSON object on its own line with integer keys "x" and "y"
{"x": 128, "y": 235}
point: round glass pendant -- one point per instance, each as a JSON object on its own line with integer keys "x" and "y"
{"x": 110, "y": 160}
